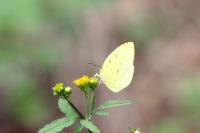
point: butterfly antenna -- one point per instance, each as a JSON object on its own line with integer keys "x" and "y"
{"x": 96, "y": 74}
{"x": 94, "y": 65}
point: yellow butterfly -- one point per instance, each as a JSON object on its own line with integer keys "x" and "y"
{"x": 117, "y": 69}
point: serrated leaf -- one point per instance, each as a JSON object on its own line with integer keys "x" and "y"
{"x": 78, "y": 128}
{"x": 89, "y": 125}
{"x": 114, "y": 103}
{"x": 57, "y": 125}
{"x": 66, "y": 108}
{"x": 102, "y": 113}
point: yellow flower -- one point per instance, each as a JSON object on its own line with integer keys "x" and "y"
{"x": 57, "y": 88}
{"x": 83, "y": 81}
{"x": 86, "y": 83}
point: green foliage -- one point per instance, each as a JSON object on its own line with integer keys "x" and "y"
{"x": 78, "y": 128}
{"x": 89, "y": 125}
{"x": 102, "y": 113}
{"x": 57, "y": 125}
{"x": 68, "y": 13}
{"x": 20, "y": 16}
{"x": 113, "y": 103}
{"x": 17, "y": 15}
{"x": 46, "y": 55}
{"x": 24, "y": 100}
{"x": 66, "y": 108}
{"x": 19, "y": 69}
{"x": 191, "y": 95}
{"x": 169, "y": 126}
{"x": 73, "y": 114}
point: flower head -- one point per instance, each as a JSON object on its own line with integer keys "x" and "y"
{"x": 57, "y": 89}
{"x": 86, "y": 83}
{"x": 83, "y": 81}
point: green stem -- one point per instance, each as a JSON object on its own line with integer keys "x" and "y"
{"x": 86, "y": 105}
{"x": 87, "y": 108}
{"x": 78, "y": 112}
{"x": 72, "y": 105}
{"x": 93, "y": 103}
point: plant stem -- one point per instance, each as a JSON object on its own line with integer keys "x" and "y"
{"x": 72, "y": 105}
{"x": 86, "y": 106}
{"x": 78, "y": 112}
{"x": 93, "y": 103}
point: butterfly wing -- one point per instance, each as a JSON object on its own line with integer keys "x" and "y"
{"x": 117, "y": 70}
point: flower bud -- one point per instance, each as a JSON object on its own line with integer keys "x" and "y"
{"x": 93, "y": 82}
{"x": 68, "y": 90}
{"x": 57, "y": 89}
{"x": 136, "y": 131}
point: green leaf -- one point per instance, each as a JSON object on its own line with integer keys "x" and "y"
{"x": 113, "y": 103}
{"x": 57, "y": 125}
{"x": 89, "y": 125}
{"x": 78, "y": 128}
{"x": 66, "y": 108}
{"x": 102, "y": 113}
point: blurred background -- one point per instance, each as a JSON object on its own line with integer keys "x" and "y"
{"x": 43, "y": 42}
